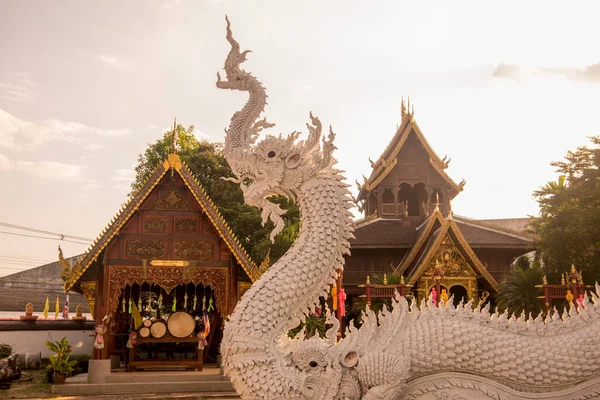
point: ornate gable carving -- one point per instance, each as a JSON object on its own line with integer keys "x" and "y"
{"x": 172, "y": 200}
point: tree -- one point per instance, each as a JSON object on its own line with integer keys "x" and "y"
{"x": 569, "y": 222}
{"x": 517, "y": 292}
{"x": 208, "y": 164}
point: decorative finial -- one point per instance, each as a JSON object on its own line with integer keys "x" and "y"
{"x": 385, "y": 279}
{"x": 562, "y": 279}
{"x": 371, "y": 162}
{"x": 174, "y": 138}
{"x": 573, "y": 270}
{"x": 368, "y": 280}
{"x": 544, "y": 280}
{"x": 402, "y": 279}
{"x": 408, "y": 107}
{"x": 403, "y": 108}
{"x": 437, "y": 200}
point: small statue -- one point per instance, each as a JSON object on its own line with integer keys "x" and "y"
{"x": 78, "y": 314}
{"x": 444, "y": 297}
{"x": 28, "y": 313}
{"x": 434, "y": 296}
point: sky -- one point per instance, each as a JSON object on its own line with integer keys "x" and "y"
{"x": 502, "y": 88}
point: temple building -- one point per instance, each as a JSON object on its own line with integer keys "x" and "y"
{"x": 409, "y": 228}
{"x": 168, "y": 252}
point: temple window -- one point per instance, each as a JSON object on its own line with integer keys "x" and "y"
{"x": 372, "y": 204}
{"x": 388, "y": 202}
{"x": 415, "y": 196}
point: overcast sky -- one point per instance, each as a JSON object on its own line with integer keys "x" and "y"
{"x": 502, "y": 88}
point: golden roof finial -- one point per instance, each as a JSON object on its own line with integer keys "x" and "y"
{"x": 437, "y": 200}
{"x": 385, "y": 279}
{"x": 368, "y": 280}
{"x": 573, "y": 270}
{"x": 408, "y": 107}
{"x": 402, "y": 279}
{"x": 562, "y": 279}
{"x": 173, "y": 149}
{"x": 402, "y": 108}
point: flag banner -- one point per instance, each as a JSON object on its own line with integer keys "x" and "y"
{"x": 65, "y": 313}
{"x": 46, "y": 307}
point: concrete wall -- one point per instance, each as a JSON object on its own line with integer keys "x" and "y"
{"x": 35, "y": 341}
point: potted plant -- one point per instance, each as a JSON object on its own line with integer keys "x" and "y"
{"x": 61, "y": 363}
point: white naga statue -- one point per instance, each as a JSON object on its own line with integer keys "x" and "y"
{"x": 424, "y": 352}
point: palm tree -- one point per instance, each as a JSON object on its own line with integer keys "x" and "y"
{"x": 518, "y": 294}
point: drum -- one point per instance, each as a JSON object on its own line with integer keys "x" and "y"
{"x": 158, "y": 329}
{"x": 147, "y": 322}
{"x": 144, "y": 331}
{"x": 181, "y": 324}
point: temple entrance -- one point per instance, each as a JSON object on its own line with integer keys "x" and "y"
{"x": 164, "y": 328}
{"x": 460, "y": 294}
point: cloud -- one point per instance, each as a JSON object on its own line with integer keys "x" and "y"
{"x": 20, "y": 89}
{"x": 94, "y": 146}
{"x": 19, "y": 134}
{"x": 5, "y": 163}
{"x": 112, "y": 62}
{"x": 509, "y": 71}
{"x": 52, "y": 170}
{"x": 171, "y": 3}
{"x": 123, "y": 175}
{"x": 589, "y": 73}
{"x": 90, "y": 186}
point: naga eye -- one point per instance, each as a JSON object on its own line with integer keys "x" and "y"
{"x": 271, "y": 154}
{"x": 313, "y": 364}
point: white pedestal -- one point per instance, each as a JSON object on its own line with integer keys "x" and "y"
{"x": 98, "y": 370}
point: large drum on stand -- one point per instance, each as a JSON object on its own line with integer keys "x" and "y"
{"x": 158, "y": 329}
{"x": 181, "y": 324}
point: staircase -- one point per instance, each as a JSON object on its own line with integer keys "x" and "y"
{"x": 207, "y": 383}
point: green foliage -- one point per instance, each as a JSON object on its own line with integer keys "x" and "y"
{"x": 569, "y": 221}
{"x": 5, "y": 350}
{"x": 517, "y": 292}
{"x": 208, "y": 164}
{"x": 61, "y": 362}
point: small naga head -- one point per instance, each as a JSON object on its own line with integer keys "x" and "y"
{"x": 275, "y": 165}
{"x": 320, "y": 373}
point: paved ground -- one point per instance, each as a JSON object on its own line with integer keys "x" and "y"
{"x": 181, "y": 396}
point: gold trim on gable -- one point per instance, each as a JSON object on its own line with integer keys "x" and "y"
{"x": 134, "y": 202}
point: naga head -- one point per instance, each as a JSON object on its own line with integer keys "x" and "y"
{"x": 276, "y": 165}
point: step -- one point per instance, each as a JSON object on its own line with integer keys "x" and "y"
{"x": 134, "y": 387}
{"x": 162, "y": 376}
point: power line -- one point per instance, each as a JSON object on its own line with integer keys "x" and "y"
{"x": 18, "y": 268}
{"x": 42, "y": 237}
{"x": 22, "y": 257}
{"x": 18, "y": 262}
{"x": 10, "y": 262}
{"x": 61, "y": 235}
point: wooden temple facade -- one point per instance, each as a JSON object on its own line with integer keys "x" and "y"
{"x": 409, "y": 228}
{"x": 167, "y": 250}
